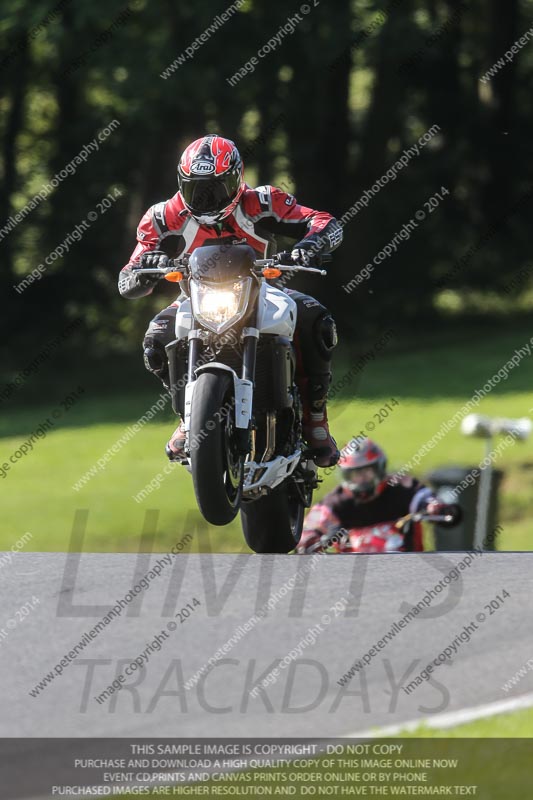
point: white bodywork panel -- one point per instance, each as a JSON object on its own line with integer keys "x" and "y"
{"x": 272, "y": 472}
{"x": 276, "y": 313}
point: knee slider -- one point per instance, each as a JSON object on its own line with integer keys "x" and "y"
{"x": 325, "y": 333}
{"x": 154, "y": 357}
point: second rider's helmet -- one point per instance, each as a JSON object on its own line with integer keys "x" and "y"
{"x": 363, "y": 468}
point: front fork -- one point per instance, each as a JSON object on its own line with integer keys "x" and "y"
{"x": 243, "y": 386}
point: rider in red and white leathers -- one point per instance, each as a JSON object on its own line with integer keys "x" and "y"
{"x": 214, "y": 205}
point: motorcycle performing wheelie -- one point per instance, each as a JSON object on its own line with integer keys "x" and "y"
{"x": 232, "y": 370}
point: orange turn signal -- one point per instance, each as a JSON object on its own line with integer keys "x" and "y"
{"x": 174, "y": 277}
{"x": 271, "y": 272}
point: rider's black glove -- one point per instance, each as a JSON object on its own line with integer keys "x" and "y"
{"x": 155, "y": 259}
{"x": 456, "y": 512}
{"x": 304, "y": 253}
{"x": 446, "y": 509}
{"x": 133, "y": 284}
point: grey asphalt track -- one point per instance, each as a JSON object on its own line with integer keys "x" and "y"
{"x": 305, "y": 699}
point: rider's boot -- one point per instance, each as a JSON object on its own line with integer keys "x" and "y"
{"x": 156, "y": 362}
{"x": 175, "y": 447}
{"x": 315, "y": 339}
{"x": 315, "y": 420}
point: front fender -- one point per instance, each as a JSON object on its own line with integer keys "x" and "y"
{"x": 244, "y": 392}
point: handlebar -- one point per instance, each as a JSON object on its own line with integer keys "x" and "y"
{"x": 342, "y": 536}
{"x": 424, "y": 517}
{"x": 262, "y": 266}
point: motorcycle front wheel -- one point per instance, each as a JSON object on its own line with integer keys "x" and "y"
{"x": 216, "y": 465}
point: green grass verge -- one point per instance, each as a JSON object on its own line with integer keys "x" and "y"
{"x": 430, "y": 385}
{"x": 515, "y": 725}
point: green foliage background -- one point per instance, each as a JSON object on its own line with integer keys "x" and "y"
{"x": 324, "y": 115}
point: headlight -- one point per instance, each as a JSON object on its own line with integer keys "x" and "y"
{"x": 219, "y": 307}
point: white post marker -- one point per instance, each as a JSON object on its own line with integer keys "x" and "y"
{"x": 487, "y": 428}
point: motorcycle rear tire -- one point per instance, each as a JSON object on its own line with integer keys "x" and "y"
{"x": 273, "y": 524}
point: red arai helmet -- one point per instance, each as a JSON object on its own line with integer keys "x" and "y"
{"x": 363, "y": 467}
{"x": 210, "y": 178}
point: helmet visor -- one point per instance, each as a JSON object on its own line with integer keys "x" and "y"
{"x": 209, "y": 195}
{"x": 361, "y": 480}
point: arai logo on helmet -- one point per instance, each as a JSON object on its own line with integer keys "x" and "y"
{"x": 202, "y": 167}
